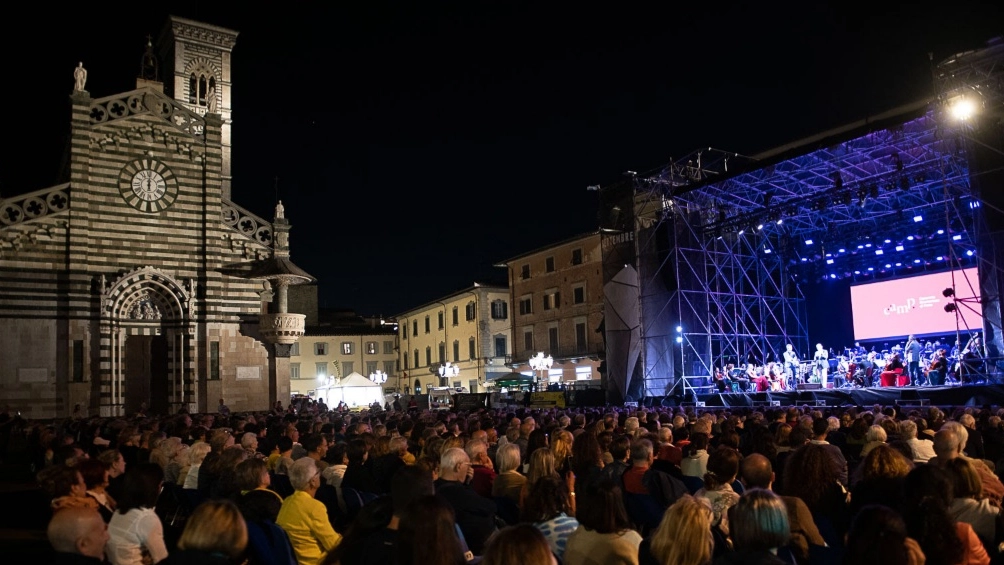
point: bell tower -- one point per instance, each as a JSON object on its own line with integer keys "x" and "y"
{"x": 196, "y": 73}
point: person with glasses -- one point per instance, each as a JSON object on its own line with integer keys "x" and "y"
{"x": 475, "y": 514}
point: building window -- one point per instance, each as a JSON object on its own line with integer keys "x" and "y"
{"x": 500, "y": 349}
{"x": 405, "y": 361}
{"x": 427, "y": 327}
{"x": 456, "y": 384}
{"x": 472, "y": 349}
{"x": 526, "y": 305}
{"x": 371, "y": 367}
{"x": 347, "y": 367}
{"x": 576, "y": 256}
{"x": 404, "y": 330}
{"x": 549, "y": 265}
{"x": 552, "y": 338}
{"x": 388, "y": 348}
{"x": 294, "y": 350}
{"x": 580, "y": 337}
{"x": 214, "y": 360}
{"x": 524, "y": 271}
{"x": 428, "y": 355}
{"x": 416, "y": 359}
{"x": 583, "y": 373}
{"x": 500, "y": 310}
{"x": 442, "y": 352}
{"x": 528, "y": 339}
{"x": 414, "y": 327}
{"x": 321, "y": 369}
{"x": 321, "y": 348}
{"x": 456, "y": 350}
{"x": 471, "y": 311}
{"x": 294, "y": 370}
{"x": 388, "y": 367}
{"x": 552, "y": 299}
{"x": 199, "y": 87}
{"x": 371, "y": 348}
{"x": 579, "y": 294}
{"x": 472, "y": 385}
{"x": 440, "y": 316}
{"x": 78, "y": 360}
{"x": 346, "y": 348}
{"x": 456, "y": 316}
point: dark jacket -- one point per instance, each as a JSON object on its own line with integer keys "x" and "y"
{"x": 475, "y": 514}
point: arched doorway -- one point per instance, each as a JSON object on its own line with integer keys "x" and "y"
{"x": 418, "y": 386}
{"x": 147, "y": 346}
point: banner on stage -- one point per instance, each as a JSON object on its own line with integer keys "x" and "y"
{"x": 547, "y": 399}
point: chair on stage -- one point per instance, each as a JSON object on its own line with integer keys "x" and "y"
{"x": 890, "y": 378}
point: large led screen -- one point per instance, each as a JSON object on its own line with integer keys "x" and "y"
{"x": 915, "y": 305}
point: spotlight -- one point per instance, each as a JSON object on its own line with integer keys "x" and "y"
{"x": 861, "y": 247}
{"x": 918, "y": 219}
{"x": 841, "y": 250}
{"x": 871, "y": 269}
{"x": 759, "y": 226}
{"x": 888, "y": 266}
{"x": 941, "y": 232}
{"x": 868, "y": 245}
{"x": 879, "y": 252}
{"x": 969, "y": 253}
{"x": 899, "y": 264}
{"x": 857, "y": 272}
{"x": 679, "y": 329}
{"x": 808, "y": 242}
{"x": 832, "y": 276}
{"x": 679, "y": 339}
{"x": 741, "y": 232}
{"x": 939, "y": 258}
{"x": 948, "y": 292}
{"x": 962, "y": 108}
{"x": 909, "y": 238}
{"x": 957, "y": 237}
{"x": 899, "y": 248}
{"x": 829, "y": 261}
{"x": 916, "y": 261}
{"x": 779, "y": 221}
{"x": 804, "y": 260}
{"x": 888, "y": 241}
{"x": 950, "y": 308}
{"x": 766, "y": 250}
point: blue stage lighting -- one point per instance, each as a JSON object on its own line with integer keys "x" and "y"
{"x": 679, "y": 329}
{"x": 871, "y": 268}
{"x": 868, "y": 245}
{"x": 861, "y": 247}
{"x": 857, "y": 272}
{"x": 941, "y": 232}
{"x": 909, "y": 238}
{"x": 808, "y": 242}
{"x": 742, "y": 232}
{"x": 899, "y": 248}
{"x": 767, "y": 251}
{"x": 832, "y": 276}
{"x": 957, "y": 237}
{"x": 888, "y": 266}
{"x": 679, "y": 339}
{"x": 918, "y": 218}
{"x": 841, "y": 250}
{"x": 969, "y": 253}
{"x": 888, "y": 241}
{"x": 939, "y": 258}
{"x": 829, "y": 255}
{"x": 916, "y": 261}
{"x": 899, "y": 264}
{"x": 879, "y": 252}
{"x": 804, "y": 259}
{"x": 829, "y": 261}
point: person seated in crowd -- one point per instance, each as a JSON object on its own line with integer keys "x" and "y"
{"x": 604, "y": 534}
{"x": 723, "y": 467}
{"x": 759, "y": 528}
{"x": 923, "y": 449}
{"x": 878, "y": 536}
{"x": 521, "y": 544}
{"x": 948, "y": 444}
{"x": 135, "y": 531}
{"x": 641, "y": 478}
{"x": 96, "y": 476}
{"x": 926, "y": 511}
{"x": 548, "y": 506}
{"x": 484, "y": 473}
{"x": 66, "y": 488}
{"x": 695, "y": 456}
{"x": 683, "y": 537}
{"x": 509, "y": 482}
{"x": 428, "y": 535}
{"x": 78, "y": 536}
{"x": 474, "y": 514}
{"x": 968, "y": 503}
{"x": 215, "y": 534}
{"x": 304, "y": 518}
{"x": 268, "y": 544}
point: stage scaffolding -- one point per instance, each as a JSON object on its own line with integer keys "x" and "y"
{"x": 723, "y": 254}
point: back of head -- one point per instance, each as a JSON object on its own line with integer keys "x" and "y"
{"x": 946, "y": 444}
{"x": 885, "y": 462}
{"x": 259, "y": 506}
{"x": 250, "y": 473}
{"x": 820, "y": 427}
{"x": 641, "y": 451}
{"x": 140, "y": 487}
{"x": 507, "y": 458}
{"x": 301, "y": 472}
{"x": 757, "y": 471}
{"x": 877, "y": 535}
{"x": 216, "y": 526}
{"x": 78, "y": 530}
{"x": 546, "y": 498}
{"x": 723, "y": 466}
{"x": 523, "y": 544}
{"x": 408, "y": 484}
{"x": 759, "y": 521}
{"x": 601, "y": 508}
{"x": 684, "y": 535}
{"x": 427, "y": 534}
{"x": 620, "y": 447}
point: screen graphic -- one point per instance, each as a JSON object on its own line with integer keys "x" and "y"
{"x": 915, "y": 305}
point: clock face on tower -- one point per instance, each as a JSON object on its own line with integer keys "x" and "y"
{"x": 148, "y": 185}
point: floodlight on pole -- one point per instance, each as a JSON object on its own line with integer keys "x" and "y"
{"x": 961, "y": 108}
{"x": 379, "y": 377}
{"x": 447, "y": 370}
{"x": 540, "y": 362}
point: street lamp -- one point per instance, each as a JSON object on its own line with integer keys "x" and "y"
{"x": 447, "y": 370}
{"x": 541, "y": 363}
{"x": 379, "y": 377}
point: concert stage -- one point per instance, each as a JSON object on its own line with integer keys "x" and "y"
{"x": 958, "y": 395}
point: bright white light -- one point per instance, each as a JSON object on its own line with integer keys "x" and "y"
{"x": 888, "y": 266}
{"x": 759, "y": 226}
{"x": 871, "y": 268}
{"x": 918, "y": 218}
{"x": 832, "y": 276}
{"x": 909, "y": 238}
{"x": 941, "y": 232}
{"x": 804, "y": 259}
{"x": 939, "y": 258}
{"x": 679, "y": 329}
{"x": 969, "y": 253}
{"x": 916, "y": 261}
{"x": 962, "y": 109}
{"x": 899, "y": 264}
{"x": 868, "y": 245}
{"x": 808, "y": 242}
{"x": 779, "y": 222}
{"x": 888, "y": 241}
{"x": 861, "y": 247}
{"x": 829, "y": 261}
{"x": 742, "y": 232}
{"x": 679, "y": 339}
{"x": 857, "y": 272}
{"x": 956, "y": 237}
{"x": 879, "y": 252}
{"x": 766, "y": 251}
{"x": 899, "y": 248}
{"x": 841, "y": 250}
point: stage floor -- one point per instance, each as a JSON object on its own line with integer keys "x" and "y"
{"x": 954, "y": 395}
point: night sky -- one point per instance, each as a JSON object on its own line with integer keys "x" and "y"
{"x": 417, "y": 145}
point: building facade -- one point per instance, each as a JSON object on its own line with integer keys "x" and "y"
{"x": 557, "y": 293}
{"x": 130, "y": 286}
{"x": 332, "y": 354}
{"x": 470, "y": 330}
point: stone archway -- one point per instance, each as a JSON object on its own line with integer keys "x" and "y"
{"x": 147, "y": 350}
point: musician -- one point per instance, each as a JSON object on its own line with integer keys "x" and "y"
{"x": 858, "y": 349}
{"x": 821, "y": 361}
{"x": 722, "y": 381}
{"x": 913, "y": 352}
{"x": 790, "y": 363}
{"x": 937, "y": 369}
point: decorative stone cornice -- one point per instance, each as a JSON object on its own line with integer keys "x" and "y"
{"x": 282, "y": 328}
{"x": 147, "y": 101}
{"x": 247, "y": 224}
{"x": 216, "y": 36}
{"x": 34, "y": 205}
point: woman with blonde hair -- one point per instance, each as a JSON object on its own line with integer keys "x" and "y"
{"x": 561, "y": 447}
{"x": 683, "y": 537}
{"x": 874, "y": 437}
{"x": 189, "y": 476}
{"x": 214, "y": 533}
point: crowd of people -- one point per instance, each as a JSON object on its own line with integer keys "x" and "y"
{"x": 680, "y": 486}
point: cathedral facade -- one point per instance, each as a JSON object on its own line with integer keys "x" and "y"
{"x": 137, "y": 284}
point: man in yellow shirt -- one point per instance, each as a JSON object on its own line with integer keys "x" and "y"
{"x": 304, "y": 518}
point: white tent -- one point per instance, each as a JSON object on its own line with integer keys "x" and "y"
{"x": 355, "y": 390}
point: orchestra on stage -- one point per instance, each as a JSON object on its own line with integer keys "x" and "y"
{"x": 904, "y": 364}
